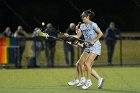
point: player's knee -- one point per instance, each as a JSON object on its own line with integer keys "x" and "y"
{"x": 85, "y": 68}
{"x": 87, "y": 65}
{"x": 81, "y": 63}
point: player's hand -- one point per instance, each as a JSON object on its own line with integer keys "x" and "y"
{"x": 69, "y": 43}
{"x": 90, "y": 43}
{"x": 72, "y": 44}
{"x": 81, "y": 45}
{"x": 87, "y": 44}
{"x": 78, "y": 26}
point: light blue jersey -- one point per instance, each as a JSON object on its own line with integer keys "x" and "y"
{"x": 89, "y": 33}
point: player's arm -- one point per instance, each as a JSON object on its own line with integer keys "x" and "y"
{"x": 78, "y": 35}
{"x": 76, "y": 44}
{"x": 78, "y": 32}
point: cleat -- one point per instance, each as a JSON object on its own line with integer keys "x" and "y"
{"x": 100, "y": 83}
{"x": 82, "y": 82}
{"x": 74, "y": 82}
{"x": 87, "y": 84}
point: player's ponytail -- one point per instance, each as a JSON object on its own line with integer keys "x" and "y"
{"x": 91, "y": 13}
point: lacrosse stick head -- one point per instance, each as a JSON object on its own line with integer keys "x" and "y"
{"x": 40, "y": 33}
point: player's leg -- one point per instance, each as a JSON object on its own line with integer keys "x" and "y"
{"x": 78, "y": 71}
{"x": 81, "y": 62}
{"x": 96, "y": 75}
{"x": 88, "y": 62}
{"x": 76, "y": 78}
{"x": 100, "y": 79}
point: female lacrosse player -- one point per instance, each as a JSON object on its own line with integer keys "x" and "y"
{"x": 92, "y": 34}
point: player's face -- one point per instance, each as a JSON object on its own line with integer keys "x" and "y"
{"x": 85, "y": 19}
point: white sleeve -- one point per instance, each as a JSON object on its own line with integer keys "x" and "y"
{"x": 95, "y": 27}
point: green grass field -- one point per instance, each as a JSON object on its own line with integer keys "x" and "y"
{"x": 54, "y": 80}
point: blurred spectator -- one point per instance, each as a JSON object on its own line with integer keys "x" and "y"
{"x": 111, "y": 34}
{"x": 50, "y": 44}
{"x": 7, "y": 32}
{"x": 71, "y": 30}
{"x": 36, "y": 48}
{"x": 21, "y": 34}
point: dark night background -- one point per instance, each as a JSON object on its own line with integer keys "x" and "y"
{"x": 30, "y": 13}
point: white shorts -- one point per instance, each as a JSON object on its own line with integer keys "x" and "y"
{"x": 96, "y": 49}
